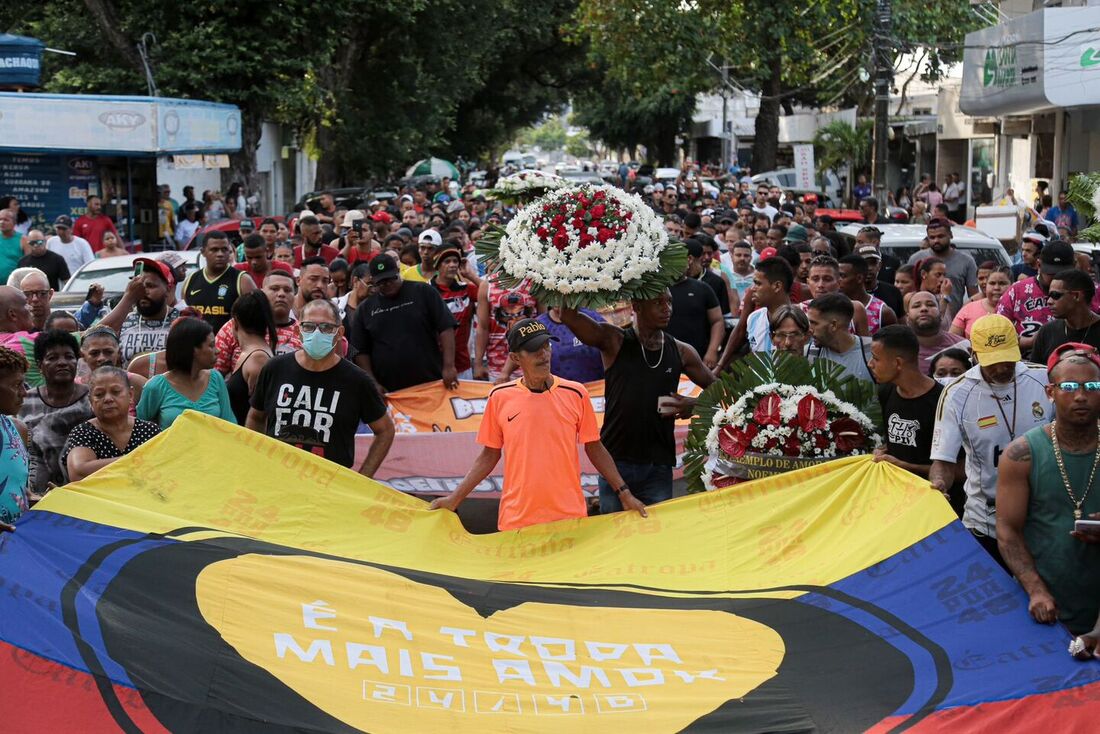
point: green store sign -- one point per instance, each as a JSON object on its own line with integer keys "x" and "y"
{"x": 1090, "y": 57}
{"x": 999, "y": 69}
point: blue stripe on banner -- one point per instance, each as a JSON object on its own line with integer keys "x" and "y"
{"x": 949, "y": 589}
{"x": 39, "y": 560}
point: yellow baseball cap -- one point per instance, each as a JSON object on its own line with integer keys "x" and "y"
{"x": 993, "y": 339}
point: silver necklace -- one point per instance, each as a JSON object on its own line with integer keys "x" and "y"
{"x": 660, "y": 358}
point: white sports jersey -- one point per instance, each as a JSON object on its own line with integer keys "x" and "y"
{"x": 758, "y": 330}
{"x": 983, "y": 420}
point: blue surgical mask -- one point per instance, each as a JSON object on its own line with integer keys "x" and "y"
{"x": 318, "y": 345}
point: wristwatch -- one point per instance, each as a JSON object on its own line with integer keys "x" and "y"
{"x": 622, "y": 489}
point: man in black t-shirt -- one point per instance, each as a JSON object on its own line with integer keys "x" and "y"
{"x": 696, "y": 315}
{"x": 52, "y": 265}
{"x": 908, "y": 398}
{"x": 404, "y": 335}
{"x": 314, "y": 399}
{"x": 1070, "y": 297}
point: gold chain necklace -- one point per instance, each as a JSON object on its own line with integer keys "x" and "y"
{"x": 1065, "y": 477}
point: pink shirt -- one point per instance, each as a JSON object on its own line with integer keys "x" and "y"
{"x": 970, "y": 313}
{"x": 1025, "y": 305}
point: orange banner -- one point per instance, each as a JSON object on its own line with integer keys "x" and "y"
{"x": 430, "y": 408}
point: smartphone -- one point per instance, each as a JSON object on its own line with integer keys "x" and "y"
{"x": 357, "y": 225}
{"x": 139, "y": 268}
{"x": 1086, "y": 526}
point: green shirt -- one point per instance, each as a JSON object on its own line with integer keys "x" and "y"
{"x": 11, "y": 251}
{"x": 162, "y": 404}
{"x": 1069, "y": 568}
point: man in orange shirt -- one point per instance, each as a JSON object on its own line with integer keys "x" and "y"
{"x": 538, "y": 421}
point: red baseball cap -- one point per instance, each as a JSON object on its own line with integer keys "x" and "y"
{"x": 159, "y": 267}
{"x": 382, "y": 217}
{"x": 768, "y": 252}
{"x": 1070, "y": 349}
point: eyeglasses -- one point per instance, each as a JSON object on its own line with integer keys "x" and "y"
{"x": 308, "y": 327}
{"x": 37, "y": 242}
{"x": 36, "y": 294}
{"x": 1075, "y": 386}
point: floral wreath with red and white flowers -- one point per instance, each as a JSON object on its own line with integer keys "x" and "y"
{"x": 779, "y": 406}
{"x": 585, "y": 246}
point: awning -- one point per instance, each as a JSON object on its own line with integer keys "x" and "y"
{"x": 20, "y": 60}
{"x": 105, "y": 125}
{"x": 1049, "y": 58}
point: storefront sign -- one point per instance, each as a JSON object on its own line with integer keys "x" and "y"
{"x": 49, "y": 185}
{"x": 1033, "y": 63}
{"x": 117, "y": 125}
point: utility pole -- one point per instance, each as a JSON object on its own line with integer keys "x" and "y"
{"x": 884, "y": 72}
{"x": 725, "y": 117}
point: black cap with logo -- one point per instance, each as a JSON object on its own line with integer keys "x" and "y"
{"x": 1056, "y": 256}
{"x": 529, "y": 335}
{"x": 382, "y": 268}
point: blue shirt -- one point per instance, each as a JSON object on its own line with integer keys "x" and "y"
{"x": 161, "y": 403}
{"x": 571, "y": 359}
{"x": 1063, "y": 217}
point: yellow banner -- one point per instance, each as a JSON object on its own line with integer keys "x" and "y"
{"x": 390, "y": 617}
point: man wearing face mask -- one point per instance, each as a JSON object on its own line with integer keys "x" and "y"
{"x": 982, "y": 412}
{"x": 315, "y": 400}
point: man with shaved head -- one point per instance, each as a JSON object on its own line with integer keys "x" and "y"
{"x": 925, "y": 319}
{"x": 39, "y": 295}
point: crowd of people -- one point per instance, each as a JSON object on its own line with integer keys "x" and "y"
{"x": 302, "y": 330}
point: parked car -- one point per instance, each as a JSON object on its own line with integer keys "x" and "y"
{"x": 902, "y": 240}
{"x": 232, "y": 228}
{"x": 787, "y": 178}
{"x": 840, "y": 215}
{"x": 579, "y": 177}
{"x": 347, "y": 198}
{"x": 113, "y": 273}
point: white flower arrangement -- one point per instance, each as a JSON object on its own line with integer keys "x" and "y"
{"x": 583, "y": 240}
{"x": 527, "y": 181}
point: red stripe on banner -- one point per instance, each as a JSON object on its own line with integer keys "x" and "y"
{"x": 1072, "y": 709}
{"x": 57, "y": 698}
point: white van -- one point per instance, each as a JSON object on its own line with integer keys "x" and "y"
{"x": 902, "y": 240}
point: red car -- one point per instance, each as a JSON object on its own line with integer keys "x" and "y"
{"x": 231, "y": 227}
{"x": 840, "y": 215}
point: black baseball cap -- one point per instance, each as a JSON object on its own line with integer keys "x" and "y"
{"x": 383, "y": 268}
{"x": 247, "y": 225}
{"x": 529, "y": 335}
{"x": 1056, "y": 256}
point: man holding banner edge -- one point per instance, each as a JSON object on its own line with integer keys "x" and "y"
{"x": 539, "y": 419}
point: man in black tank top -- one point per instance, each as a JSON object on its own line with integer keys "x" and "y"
{"x": 213, "y": 290}
{"x": 642, "y": 365}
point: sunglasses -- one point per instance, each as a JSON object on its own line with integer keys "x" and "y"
{"x": 1056, "y": 295}
{"x": 1075, "y": 386}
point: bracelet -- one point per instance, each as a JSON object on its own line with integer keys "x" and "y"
{"x": 622, "y": 489}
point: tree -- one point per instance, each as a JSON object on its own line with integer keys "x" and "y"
{"x": 578, "y": 146}
{"x": 808, "y": 53}
{"x": 838, "y": 144}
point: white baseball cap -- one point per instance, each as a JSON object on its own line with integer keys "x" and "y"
{"x": 431, "y": 237}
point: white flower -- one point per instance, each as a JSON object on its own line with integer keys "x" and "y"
{"x": 599, "y": 266}
{"x": 1096, "y": 201}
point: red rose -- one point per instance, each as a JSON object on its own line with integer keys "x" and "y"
{"x": 578, "y": 224}
{"x": 848, "y": 434}
{"x": 561, "y": 240}
{"x": 586, "y": 239}
{"x": 543, "y": 233}
{"x": 604, "y": 235}
{"x": 812, "y": 414}
{"x": 598, "y": 211}
{"x": 557, "y": 221}
{"x": 767, "y": 410}
{"x": 599, "y": 196}
{"x": 821, "y": 441}
{"x": 771, "y": 443}
{"x": 628, "y": 216}
{"x": 793, "y": 446}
